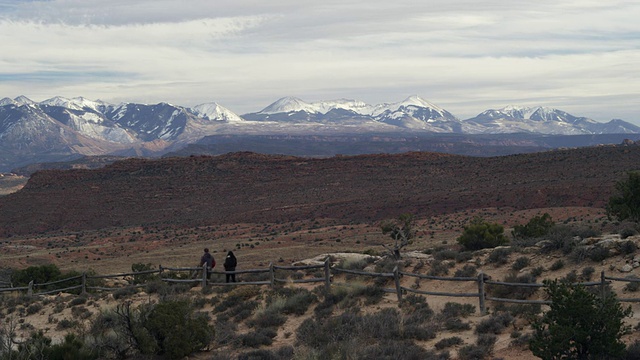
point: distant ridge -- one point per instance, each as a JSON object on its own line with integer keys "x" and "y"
{"x": 61, "y": 128}
{"x": 256, "y": 188}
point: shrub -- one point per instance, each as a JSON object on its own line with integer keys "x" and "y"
{"x": 627, "y": 247}
{"x": 571, "y": 277}
{"x": 538, "y": 226}
{"x": 142, "y": 278}
{"x": 392, "y": 350}
{"x": 124, "y": 292}
{"x": 170, "y": 329}
{"x": 598, "y": 253}
{"x": 480, "y": 350}
{"x": 520, "y": 263}
{"x": 499, "y": 256}
{"x": 177, "y": 330}
{"x": 625, "y": 204}
{"x": 626, "y": 232}
{"x": 34, "y": 308}
{"x": 78, "y": 301}
{"x": 455, "y": 324}
{"x": 587, "y": 273}
{"x": 299, "y": 303}
{"x": 596, "y": 324}
{"x": 514, "y": 292}
{"x": 537, "y": 271}
{"x": 65, "y": 324}
{"x": 448, "y": 342}
{"x": 266, "y": 319}
{"x": 39, "y": 274}
{"x": 466, "y": 271}
{"x": 445, "y": 254}
{"x": 481, "y": 235}
{"x": 557, "y": 265}
{"x": 464, "y": 256}
{"x": 560, "y": 237}
{"x": 439, "y": 268}
{"x": 495, "y": 324}
{"x": 454, "y": 310}
{"x": 259, "y": 337}
{"x": 632, "y": 286}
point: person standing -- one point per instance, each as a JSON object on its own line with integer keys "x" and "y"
{"x": 208, "y": 259}
{"x": 230, "y": 263}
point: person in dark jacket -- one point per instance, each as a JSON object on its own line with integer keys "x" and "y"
{"x": 230, "y": 263}
{"x": 208, "y": 259}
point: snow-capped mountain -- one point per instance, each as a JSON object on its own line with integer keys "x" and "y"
{"x": 216, "y": 112}
{"x": 544, "y": 120}
{"x": 60, "y": 127}
{"x": 412, "y": 113}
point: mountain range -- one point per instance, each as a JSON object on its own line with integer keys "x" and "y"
{"x": 60, "y": 128}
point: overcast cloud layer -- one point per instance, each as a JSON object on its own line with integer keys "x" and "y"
{"x": 466, "y": 56}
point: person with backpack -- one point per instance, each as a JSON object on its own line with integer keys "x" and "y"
{"x": 208, "y": 259}
{"x": 230, "y": 263}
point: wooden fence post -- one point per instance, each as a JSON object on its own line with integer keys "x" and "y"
{"x": 204, "y": 275}
{"x": 483, "y": 309}
{"x": 84, "y": 283}
{"x": 327, "y": 275}
{"x": 30, "y": 289}
{"x": 272, "y": 275}
{"x": 396, "y": 277}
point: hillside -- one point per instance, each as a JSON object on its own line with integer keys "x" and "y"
{"x": 254, "y": 188}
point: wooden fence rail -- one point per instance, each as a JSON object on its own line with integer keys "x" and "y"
{"x": 481, "y": 280}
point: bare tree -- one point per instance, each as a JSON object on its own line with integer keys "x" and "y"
{"x": 402, "y": 231}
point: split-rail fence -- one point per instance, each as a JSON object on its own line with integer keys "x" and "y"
{"x": 82, "y": 282}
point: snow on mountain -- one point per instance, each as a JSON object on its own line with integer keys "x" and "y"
{"x": 545, "y": 120}
{"x": 77, "y": 103}
{"x": 213, "y": 111}
{"x": 19, "y": 101}
{"x": 289, "y": 104}
{"x": 412, "y": 102}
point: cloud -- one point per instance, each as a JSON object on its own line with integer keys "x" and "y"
{"x": 463, "y": 55}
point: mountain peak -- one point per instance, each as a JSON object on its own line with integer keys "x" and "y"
{"x": 288, "y": 104}
{"x": 214, "y": 111}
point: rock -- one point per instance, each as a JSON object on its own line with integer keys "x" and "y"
{"x": 626, "y": 268}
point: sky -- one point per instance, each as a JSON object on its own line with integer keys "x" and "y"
{"x": 466, "y": 56}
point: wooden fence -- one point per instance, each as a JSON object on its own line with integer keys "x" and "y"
{"x": 82, "y": 282}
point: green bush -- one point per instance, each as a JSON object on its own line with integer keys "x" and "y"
{"x": 626, "y": 232}
{"x": 39, "y": 274}
{"x": 625, "y": 204}
{"x": 537, "y": 227}
{"x": 170, "y": 329}
{"x": 557, "y": 265}
{"x": 499, "y": 256}
{"x": 514, "y": 292}
{"x": 520, "y": 263}
{"x": 34, "y": 308}
{"x": 439, "y": 268}
{"x": 259, "y": 337}
{"x": 480, "y": 350}
{"x": 456, "y": 324}
{"x": 466, "y": 271}
{"x": 579, "y": 325}
{"x": 448, "y": 342}
{"x": 587, "y": 273}
{"x": 143, "y": 278}
{"x": 632, "y": 286}
{"x": 481, "y": 235}
{"x": 495, "y": 324}
{"x": 454, "y": 310}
